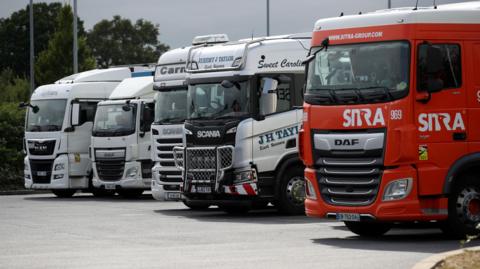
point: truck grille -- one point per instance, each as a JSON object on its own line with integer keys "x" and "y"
{"x": 164, "y": 148}
{"x": 41, "y": 147}
{"x": 41, "y": 171}
{"x": 349, "y": 177}
{"x": 110, "y": 170}
{"x": 174, "y": 176}
{"x": 204, "y": 165}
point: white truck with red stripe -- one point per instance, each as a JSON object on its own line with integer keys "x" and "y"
{"x": 243, "y": 116}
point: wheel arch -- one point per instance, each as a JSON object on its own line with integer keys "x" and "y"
{"x": 287, "y": 161}
{"x": 460, "y": 166}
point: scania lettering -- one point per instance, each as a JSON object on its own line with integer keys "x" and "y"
{"x": 58, "y": 126}
{"x": 390, "y": 131}
{"x": 240, "y": 147}
{"x": 120, "y": 147}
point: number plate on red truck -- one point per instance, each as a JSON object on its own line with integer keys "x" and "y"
{"x": 348, "y": 217}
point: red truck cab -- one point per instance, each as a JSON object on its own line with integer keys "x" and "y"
{"x": 391, "y": 128}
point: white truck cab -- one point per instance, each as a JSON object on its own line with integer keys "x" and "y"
{"x": 243, "y": 116}
{"x": 120, "y": 146}
{"x": 167, "y": 129}
{"x": 170, "y": 114}
{"x": 58, "y": 126}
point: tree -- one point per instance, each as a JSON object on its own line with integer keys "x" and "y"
{"x": 119, "y": 42}
{"x": 14, "y": 35}
{"x": 57, "y": 60}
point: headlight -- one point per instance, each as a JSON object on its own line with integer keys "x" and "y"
{"x": 244, "y": 176}
{"x": 132, "y": 172}
{"x": 232, "y": 130}
{"x": 398, "y": 189}
{"x": 59, "y": 166}
{"x": 310, "y": 190}
{"x": 188, "y": 132}
{"x": 59, "y": 176}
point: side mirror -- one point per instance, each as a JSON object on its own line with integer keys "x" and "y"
{"x": 268, "y": 100}
{"x": 75, "y": 114}
{"x": 126, "y": 107}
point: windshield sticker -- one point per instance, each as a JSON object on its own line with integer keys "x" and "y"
{"x": 364, "y": 35}
{"x": 423, "y": 153}
{"x": 429, "y": 122}
{"x": 277, "y": 138}
{"x": 361, "y": 117}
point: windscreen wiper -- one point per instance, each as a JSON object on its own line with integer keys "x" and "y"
{"x": 385, "y": 92}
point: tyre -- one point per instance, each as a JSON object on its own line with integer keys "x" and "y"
{"x": 64, "y": 193}
{"x": 130, "y": 193}
{"x": 463, "y": 210}
{"x": 291, "y": 196}
{"x": 195, "y": 206}
{"x": 368, "y": 229}
{"x": 235, "y": 209}
{"x": 102, "y": 192}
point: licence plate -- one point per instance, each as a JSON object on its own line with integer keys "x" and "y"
{"x": 41, "y": 173}
{"x": 348, "y": 217}
{"x": 204, "y": 189}
{"x": 173, "y": 196}
{"x": 109, "y": 186}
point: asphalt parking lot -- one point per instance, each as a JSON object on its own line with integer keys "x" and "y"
{"x": 41, "y": 231}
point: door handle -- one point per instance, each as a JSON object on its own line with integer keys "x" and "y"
{"x": 459, "y": 136}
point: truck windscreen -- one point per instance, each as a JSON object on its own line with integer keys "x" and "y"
{"x": 171, "y": 105}
{"x": 49, "y": 116}
{"x": 218, "y": 100}
{"x": 359, "y": 73}
{"x": 115, "y": 120}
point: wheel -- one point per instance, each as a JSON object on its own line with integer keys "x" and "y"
{"x": 292, "y": 192}
{"x": 102, "y": 192}
{"x": 235, "y": 209}
{"x": 64, "y": 193}
{"x": 368, "y": 229}
{"x": 463, "y": 210}
{"x": 195, "y": 206}
{"x": 130, "y": 193}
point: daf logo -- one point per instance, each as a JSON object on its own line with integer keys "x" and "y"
{"x": 346, "y": 142}
{"x": 108, "y": 154}
{"x": 208, "y": 134}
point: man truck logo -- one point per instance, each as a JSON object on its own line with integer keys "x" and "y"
{"x": 430, "y": 122}
{"x": 361, "y": 117}
{"x": 208, "y": 134}
{"x": 40, "y": 147}
{"x": 346, "y": 142}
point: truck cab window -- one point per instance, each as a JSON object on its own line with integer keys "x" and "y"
{"x": 284, "y": 93}
{"x": 147, "y": 116}
{"x": 87, "y": 112}
{"x": 439, "y": 64}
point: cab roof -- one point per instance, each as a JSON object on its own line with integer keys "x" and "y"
{"x": 134, "y": 88}
{"x": 458, "y": 13}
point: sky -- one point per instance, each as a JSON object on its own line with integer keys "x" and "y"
{"x": 181, "y": 20}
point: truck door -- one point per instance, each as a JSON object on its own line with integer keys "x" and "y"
{"x": 276, "y": 135}
{"x": 144, "y": 142}
{"x": 473, "y": 77}
{"x": 440, "y": 111}
{"x": 79, "y": 139}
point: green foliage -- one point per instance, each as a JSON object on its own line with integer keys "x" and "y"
{"x": 119, "y": 42}
{"x": 13, "y": 88}
{"x": 57, "y": 60}
{"x": 12, "y": 91}
{"x": 14, "y": 35}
